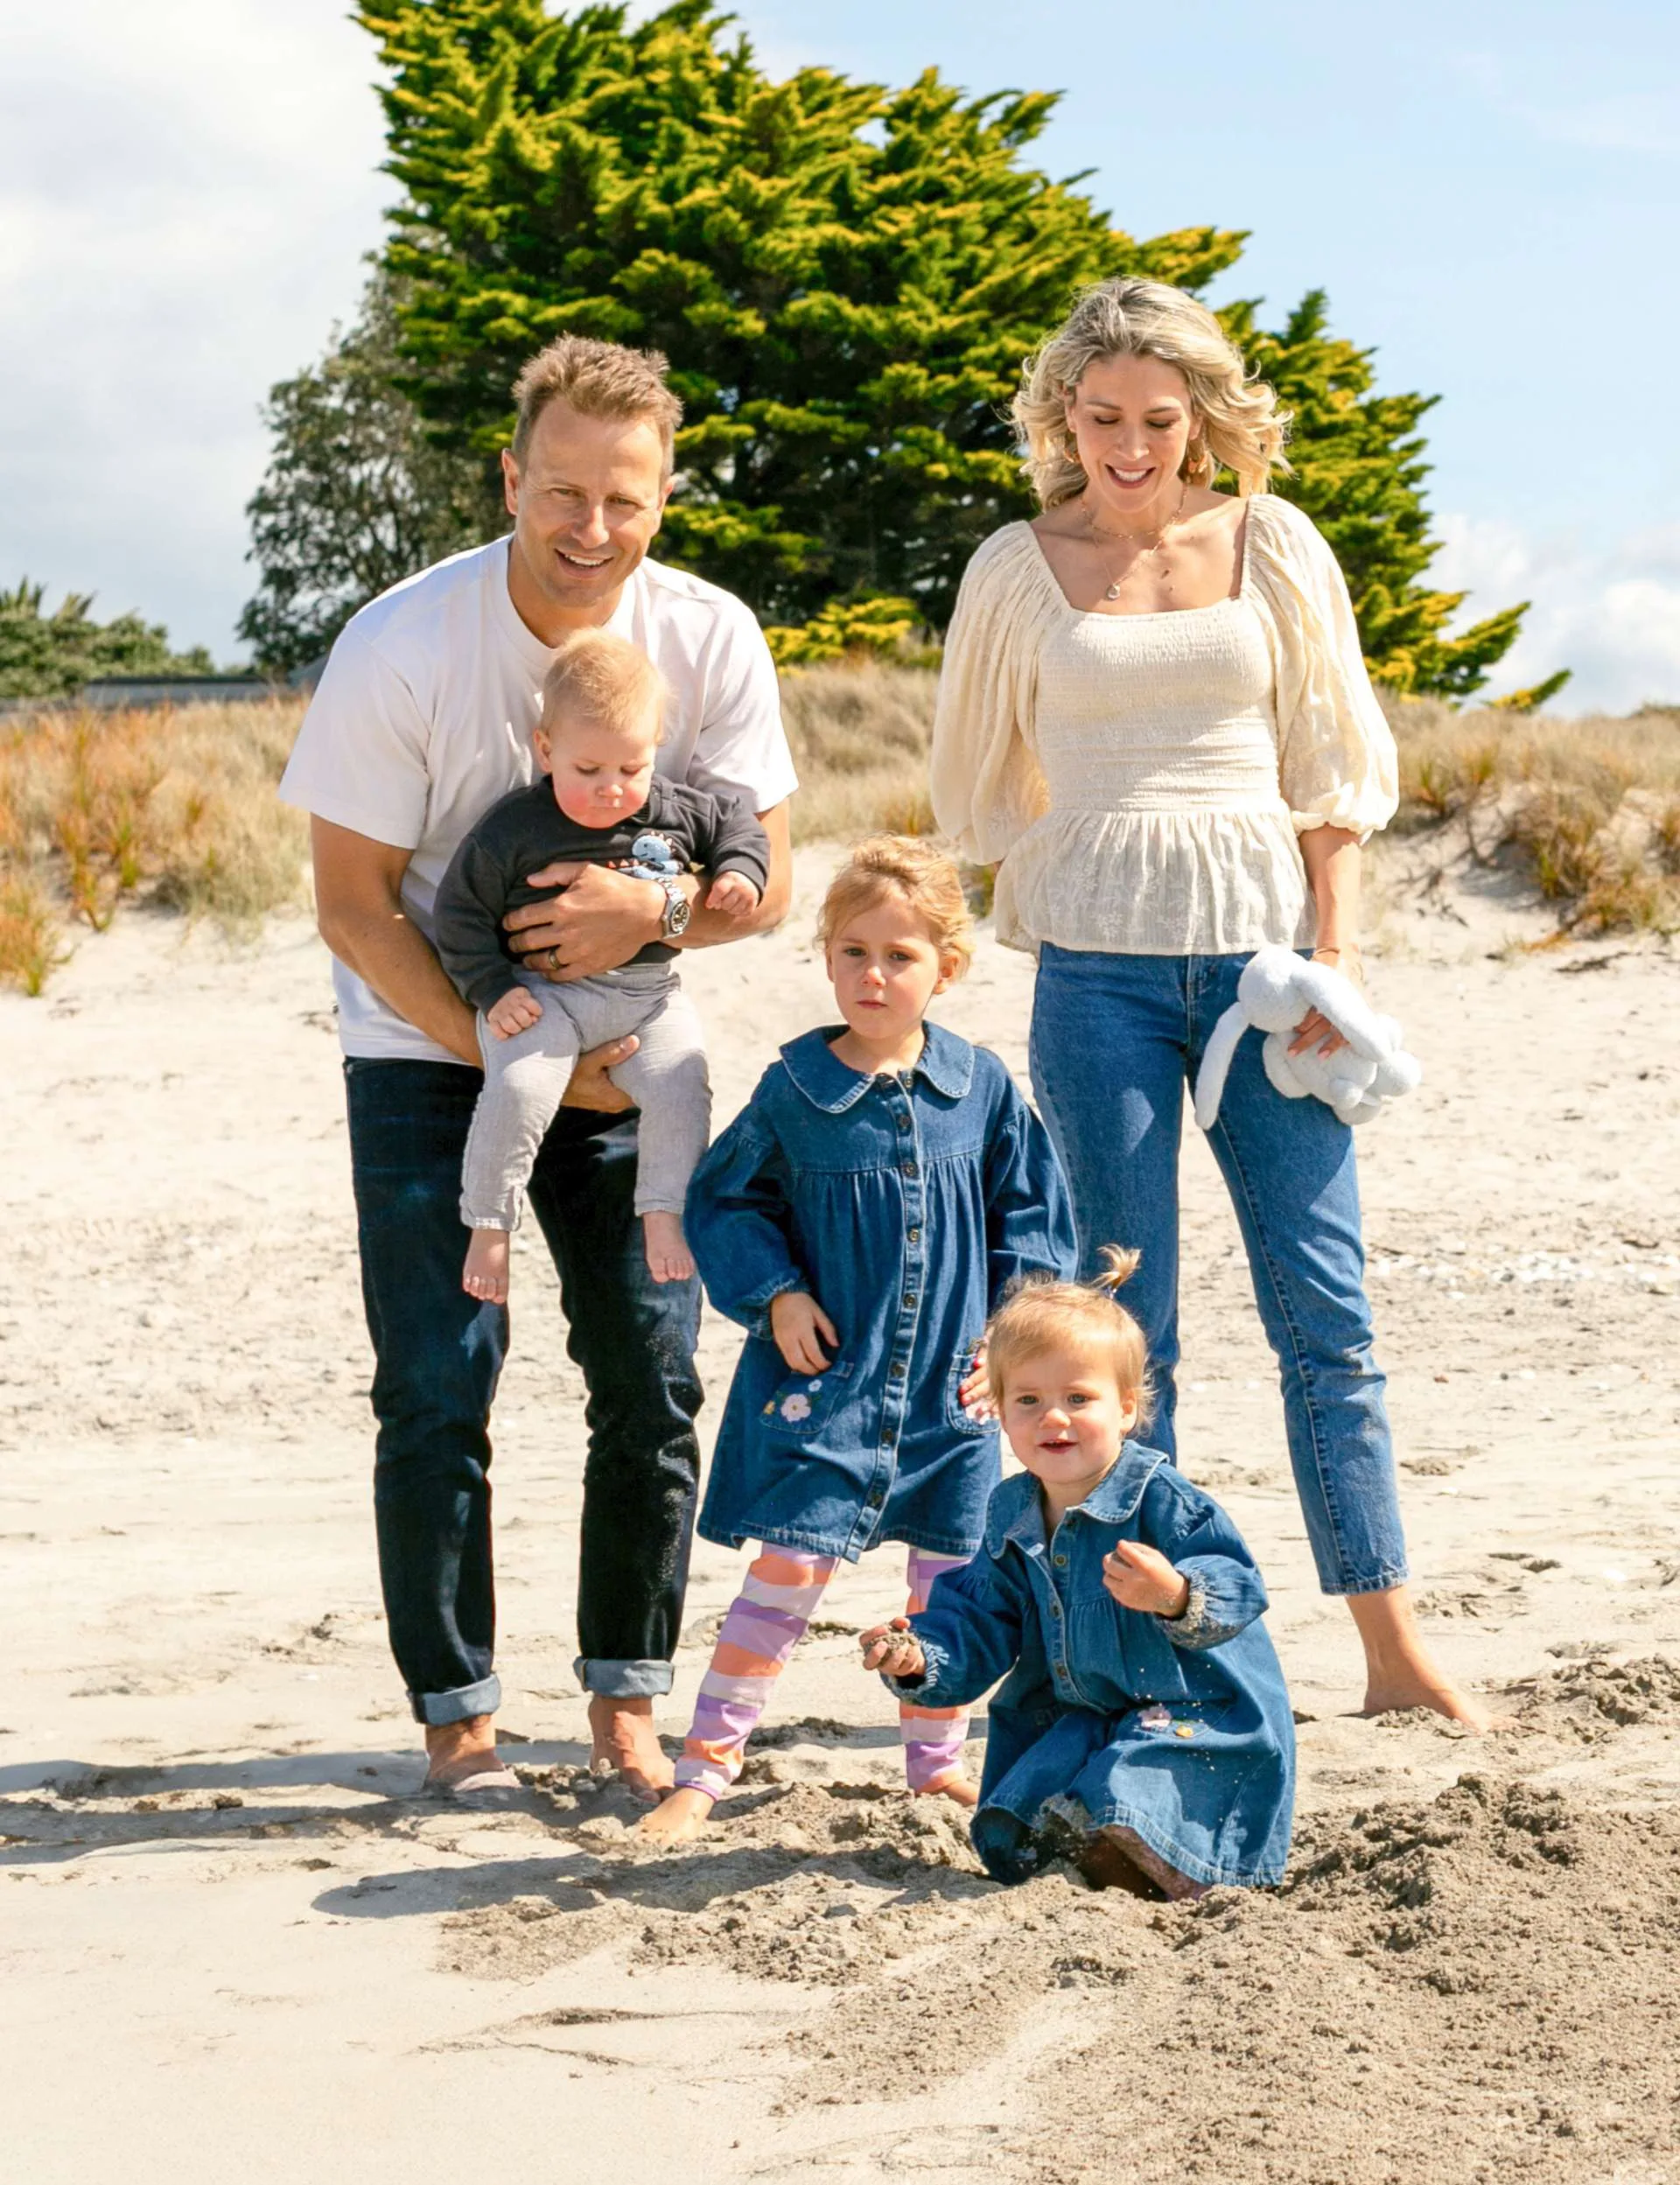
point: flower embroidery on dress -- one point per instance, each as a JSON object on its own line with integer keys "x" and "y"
{"x": 796, "y": 1407}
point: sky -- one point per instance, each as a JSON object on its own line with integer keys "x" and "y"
{"x": 189, "y": 190}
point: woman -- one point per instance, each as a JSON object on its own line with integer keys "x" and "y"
{"x": 1155, "y": 713}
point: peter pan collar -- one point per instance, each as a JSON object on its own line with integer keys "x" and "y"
{"x": 946, "y": 1061}
{"x": 1016, "y": 1513}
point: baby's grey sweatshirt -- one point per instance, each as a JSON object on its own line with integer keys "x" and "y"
{"x": 489, "y": 873}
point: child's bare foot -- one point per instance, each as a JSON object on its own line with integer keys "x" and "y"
{"x": 957, "y": 1789}
{"x": 622, "y": 1738}
{"x": 678, "y": 1819}
{"x": 668, "y": 1256}
{"x": 485, "y": 1273}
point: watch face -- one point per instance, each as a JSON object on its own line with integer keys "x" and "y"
{"x": 678, "y": 913}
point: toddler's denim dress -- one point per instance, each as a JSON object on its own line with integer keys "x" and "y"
{"x": 1107, "y": 1716}
{"x": 906, "y": 1205}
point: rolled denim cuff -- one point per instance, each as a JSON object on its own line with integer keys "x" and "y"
{"x": 623, "y": 1680}
{"x": 435, "y": 1708}
{"x": 935, "y": 1659}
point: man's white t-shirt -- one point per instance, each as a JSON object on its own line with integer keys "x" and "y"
{"x": 423, "y": 718}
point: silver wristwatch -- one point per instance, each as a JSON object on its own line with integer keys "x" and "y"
{"x": 678, "y": 909}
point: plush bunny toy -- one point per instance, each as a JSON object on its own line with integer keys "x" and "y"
{"x": 1275, "y": 993}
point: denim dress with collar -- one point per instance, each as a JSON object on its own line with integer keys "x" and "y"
{"x": 1107, "y": 1716}
{"x": 906, "y": 1205}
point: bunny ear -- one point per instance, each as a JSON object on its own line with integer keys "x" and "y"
{"x": 1216, "y": 1062}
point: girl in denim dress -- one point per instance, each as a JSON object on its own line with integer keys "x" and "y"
{"x": 1142, "y": 1729}
{"x": 861, "y": 1218}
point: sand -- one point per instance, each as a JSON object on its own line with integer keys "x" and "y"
{"x": 232, "y": 1946}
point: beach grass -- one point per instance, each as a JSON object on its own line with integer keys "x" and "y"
{"x": 177, "y": 807}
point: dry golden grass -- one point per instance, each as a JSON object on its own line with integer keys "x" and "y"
{"x": 177, "y": 807}
{"x": 859, "y": 736}
{"x": 1590, "y": 805}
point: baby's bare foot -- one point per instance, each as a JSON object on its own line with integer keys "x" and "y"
{"x": 678, "y": 1819}
{"x": 485, "y": 1273}
{"x": 668, "y": 1256}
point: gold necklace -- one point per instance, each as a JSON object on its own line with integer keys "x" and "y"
{"x": 1157, "y": 532}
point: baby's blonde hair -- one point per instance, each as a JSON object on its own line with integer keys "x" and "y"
{"x": 601, "y": 678}
{"x": 887, "y": 865}
{"x": 1041, "y": 1315}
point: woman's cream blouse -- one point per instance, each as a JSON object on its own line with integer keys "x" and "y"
{"x": 1142, "y": 778}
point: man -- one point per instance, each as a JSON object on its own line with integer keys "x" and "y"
{"x": 422, "y": 719}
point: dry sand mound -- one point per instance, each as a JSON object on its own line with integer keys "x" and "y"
{"x": 1485, "y": 1983}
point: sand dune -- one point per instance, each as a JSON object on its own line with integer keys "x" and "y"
{"x": 233, "y": 1948}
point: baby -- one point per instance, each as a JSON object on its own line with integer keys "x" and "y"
{"x": 598, "y": 801}
{"x": 1142, "y": 1729}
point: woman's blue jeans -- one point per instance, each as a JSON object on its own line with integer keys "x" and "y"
{"x": 1115, "y": 1040}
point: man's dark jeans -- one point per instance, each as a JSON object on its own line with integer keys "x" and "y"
{"x": 440, "y": 1353}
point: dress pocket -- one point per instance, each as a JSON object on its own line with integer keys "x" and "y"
{"x": 798, "y": 1408}
{"x": 961, "y": 1367}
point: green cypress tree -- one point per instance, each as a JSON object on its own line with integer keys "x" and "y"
{"x": 356, "y": 495}
{"x": 1359, "y": 472}
{"x": 845, "y": 279}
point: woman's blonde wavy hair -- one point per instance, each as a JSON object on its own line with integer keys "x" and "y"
{"x": 1238, "y": 426}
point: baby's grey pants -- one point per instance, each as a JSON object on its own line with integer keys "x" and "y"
{"x": 525, "y": 1077}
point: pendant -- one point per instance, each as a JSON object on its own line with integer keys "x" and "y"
{"x": 1113, "y": 592}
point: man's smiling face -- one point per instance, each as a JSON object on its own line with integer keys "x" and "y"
{"x": 586, "y": 504}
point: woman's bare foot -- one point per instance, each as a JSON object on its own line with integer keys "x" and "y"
{"x": 623, "y": 1739}
{"x": 678, "y": 1819}
{"x": 485, "y": 1273}
{"x": 668, "y": 1256}
{"x": 957, "y": 1789}
{"x": 1399, "y": 1670}
{"x": 460, "y": 1755}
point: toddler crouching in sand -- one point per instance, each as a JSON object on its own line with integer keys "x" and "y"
{"x": 599, "y": 802}
{"x": 1144, "y": 1729}
{"x": 881, "y": 1190}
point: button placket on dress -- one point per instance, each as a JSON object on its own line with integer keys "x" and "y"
{"x": 896, "y": 1395}
{"x": 1057, "y": 1557}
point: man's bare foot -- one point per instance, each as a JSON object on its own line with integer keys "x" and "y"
{"x": 485, "y": 1273}
{"x": 678, "y": 1819}
{"x": 958, "y": 1788}
{"x": 1399, "y": 1671}
{"x": 668, "y": 1256}
{"x": 462, "y": 1756}
{"x": 621, "y": 1735}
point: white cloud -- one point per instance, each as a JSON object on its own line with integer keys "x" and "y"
{"x": 187, "y": 191}
{"x": 1612, "y": 615}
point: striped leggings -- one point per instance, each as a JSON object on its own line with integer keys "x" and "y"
{"x": 764, "y": 1625}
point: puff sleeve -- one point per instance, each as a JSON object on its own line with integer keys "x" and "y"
{"x": 1335, "y": 751}
{"x": 986, "y": 787}
{"x": 736, "y": 1222}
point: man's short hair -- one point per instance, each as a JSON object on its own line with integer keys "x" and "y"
{"x": 599, "y": 379}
